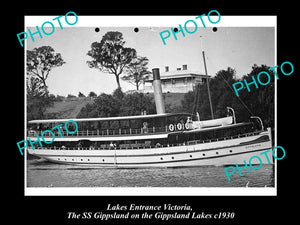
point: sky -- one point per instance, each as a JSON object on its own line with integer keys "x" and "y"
{"x": 237, "y": 47}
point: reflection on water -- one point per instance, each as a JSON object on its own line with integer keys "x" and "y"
{"x": 41, "y": 173}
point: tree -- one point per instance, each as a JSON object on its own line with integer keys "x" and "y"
{"x": 34, "y": 87}
{"x": 71, "y": 96}
{"x": 81, "y": 95}
{"x": 107, "y": 106}
{"x": 136, "y": 70}
{"x": 110, "y": 56}
{"x": 37, "y": 105}
{"x": 135, "y": 103}
{"x": 39, "y": 63}
{"x": 118, "y": 94}
{"x": 258, "y": 102}
{"x": 88, "y": 111}
{"x": 221, "y": 89}
{"x": 92, "y": 94}
{"x": 118, "y": 104}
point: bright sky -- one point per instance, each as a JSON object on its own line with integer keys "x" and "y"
{"x": 237, "y": 47}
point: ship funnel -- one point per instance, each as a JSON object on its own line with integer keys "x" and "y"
{"x": 158, "y": 97}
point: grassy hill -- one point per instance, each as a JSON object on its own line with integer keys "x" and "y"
{"x": 70, "y": 107}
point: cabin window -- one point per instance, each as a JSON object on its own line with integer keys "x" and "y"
{"x": 157, "y": 122}
{"x": 114, "y": 124}
{"x": 124, "y": 124}
{"x": 94, "y": 125}
{"x": 104, "y": 125}
{"x": 136, "y": 124}
{"x": 71, "y": 127}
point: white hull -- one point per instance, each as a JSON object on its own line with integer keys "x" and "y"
{"x": 222, "y": 152}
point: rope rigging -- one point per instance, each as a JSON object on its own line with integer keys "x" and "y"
{"x": 197, "y": 93}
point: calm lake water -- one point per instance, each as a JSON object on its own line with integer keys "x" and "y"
{"x": 41, "y": 173}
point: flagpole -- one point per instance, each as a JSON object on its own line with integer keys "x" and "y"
{"x": 207, "y": 84}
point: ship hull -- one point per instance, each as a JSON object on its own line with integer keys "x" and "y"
{"x": 222, "y": 152}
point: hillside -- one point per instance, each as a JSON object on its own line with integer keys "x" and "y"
{"x": 69, "y": 108}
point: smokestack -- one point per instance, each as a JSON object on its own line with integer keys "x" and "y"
{"x": 159, "y": 102}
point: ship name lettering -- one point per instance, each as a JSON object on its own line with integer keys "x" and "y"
{"x": 253, "y": 146}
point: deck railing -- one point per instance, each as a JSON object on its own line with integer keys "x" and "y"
{"x": 143, "y": 146}
{"x": 103, "y": 132}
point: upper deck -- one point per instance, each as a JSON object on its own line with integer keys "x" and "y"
{"x": 113, "y": 126}
{"x": 130, "y": 128}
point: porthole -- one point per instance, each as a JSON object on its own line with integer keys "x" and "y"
{"x": 161, "y": 158}
{"x": 191, "y": 156}
{"x": 88, "y": 159}
{"x": 217, "y": 153}
{"x": 102, "y": 160}
{"x": 58, "y": 158}
{"x": 72, "y": 159}
{"x": 81, "y": 159}
{"x": 172, "y": 157}
{"x": 203, "y": 154}
{"x": 230, "y": 150}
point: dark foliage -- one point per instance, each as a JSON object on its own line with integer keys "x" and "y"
{"x": 118, "y": 104}
{"x": 258, "y": 102}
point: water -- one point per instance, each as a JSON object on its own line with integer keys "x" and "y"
{"x": 41, "y": 173}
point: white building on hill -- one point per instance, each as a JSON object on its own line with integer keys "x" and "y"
{"x": 181, "y": 80}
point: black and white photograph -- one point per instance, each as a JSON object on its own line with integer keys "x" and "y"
{"x": 151, "y": 106}
{"x": 145, "y": 114}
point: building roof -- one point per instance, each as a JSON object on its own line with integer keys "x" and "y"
{"x": 178, "y": 74}
{"x": 148, "y": 116}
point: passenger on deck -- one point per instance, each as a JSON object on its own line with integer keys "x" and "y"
{"x": 189, "y": 123}
{"x": 112, "y": 145}
{"x": 145, "y": 128}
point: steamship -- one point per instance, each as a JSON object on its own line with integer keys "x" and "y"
{"x": 159, "y": 140}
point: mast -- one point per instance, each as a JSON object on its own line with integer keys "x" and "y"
{"x": 207, "y": 84}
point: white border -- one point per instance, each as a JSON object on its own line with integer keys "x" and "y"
{"x": 132, "y": 21}
{"x": 158, "y": 21}
{"x": 152, "y": 191}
